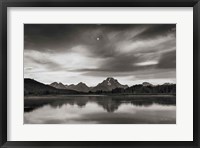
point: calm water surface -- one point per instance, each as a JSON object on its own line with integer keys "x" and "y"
{"x": 127, "y": 109}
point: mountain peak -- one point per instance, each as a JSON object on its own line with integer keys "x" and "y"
{"x": 82, "y": 87}
{"x": 108, "y": 85}
{"x": 109, "y": 81}
{"x": 146, "y": 84}
{"x": 54, "y": 83}
{"x": 81, "y": 83}
{"x": 109, "y": 78}
{"x": 58, "y": 85}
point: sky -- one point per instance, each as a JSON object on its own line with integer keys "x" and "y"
{"x": 89, "y": 53}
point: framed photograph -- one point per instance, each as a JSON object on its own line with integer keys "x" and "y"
{"x": 100, "y": 73}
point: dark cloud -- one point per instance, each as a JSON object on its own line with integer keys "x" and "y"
{"x": 156, "y": 31}
{"x": 57, "y": 37}
{"x": 123, "y": 49}
{"x": 49, "y": 37}
{"x": 168, "y": 60}
{"x": 62, "y": 36}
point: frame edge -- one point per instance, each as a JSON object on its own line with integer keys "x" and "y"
{"x": 3, "y": 74}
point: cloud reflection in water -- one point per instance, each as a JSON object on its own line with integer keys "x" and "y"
{"x": 105, "y": 112}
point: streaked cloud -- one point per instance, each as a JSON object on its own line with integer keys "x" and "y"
{"x": 88, "y": 52}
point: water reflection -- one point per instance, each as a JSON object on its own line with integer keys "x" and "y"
{"x": 100, "y": 109}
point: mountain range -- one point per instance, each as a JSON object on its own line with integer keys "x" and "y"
{"x": 82, "y": 87}
{"x": 109, "y": 85}
{"x": 32, "y": 87}
{"x": 58, "y": 85}
{"x": 106, "y": 85}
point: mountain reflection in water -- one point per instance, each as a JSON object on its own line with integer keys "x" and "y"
{"x": 127, "y": 109}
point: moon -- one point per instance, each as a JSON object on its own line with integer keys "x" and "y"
{"x": 98, "y": 39}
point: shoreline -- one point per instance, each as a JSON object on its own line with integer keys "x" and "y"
{"x": 96, "y": 95}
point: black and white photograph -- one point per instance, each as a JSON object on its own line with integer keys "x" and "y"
{"x": 99, "y": 73}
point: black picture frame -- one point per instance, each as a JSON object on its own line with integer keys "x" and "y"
{"x": 4, "y": 4}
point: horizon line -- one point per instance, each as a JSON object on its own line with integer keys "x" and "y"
{"x": 100, "y": 82}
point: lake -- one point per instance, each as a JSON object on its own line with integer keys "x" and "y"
{"x": 100, "y": 109}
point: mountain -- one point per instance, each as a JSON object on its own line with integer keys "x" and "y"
{"x": 81, "y": 87}
{"x": 71, "y": 86}
{"x": 146, "y": 84}
{"x": 108, "y": 85}
{"x": 32, "y": 87}
{"x": 168, "y": 84}
{"x": 58, "y": 85}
